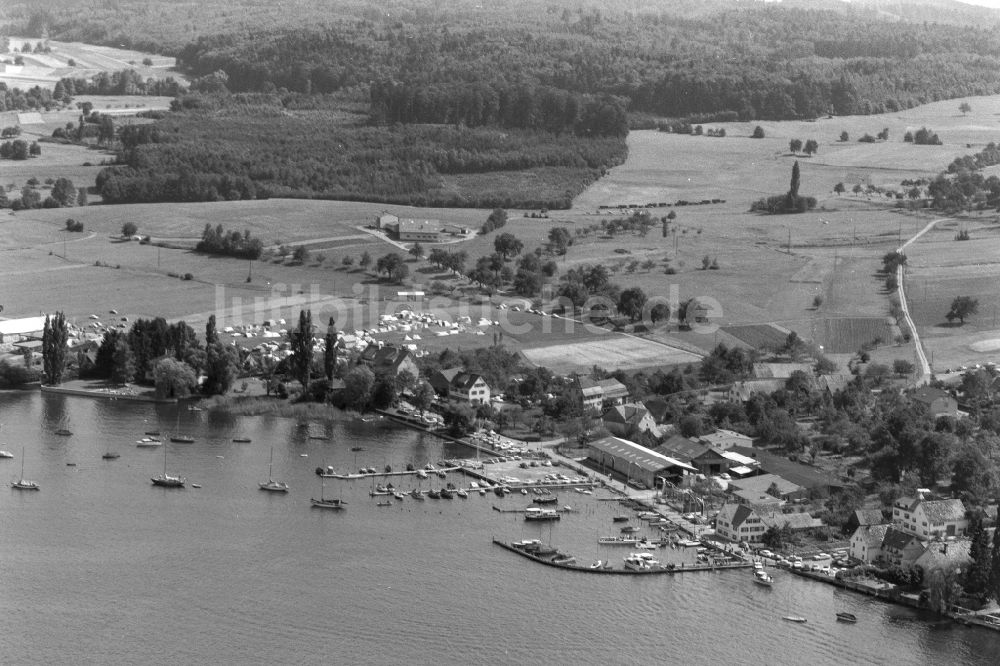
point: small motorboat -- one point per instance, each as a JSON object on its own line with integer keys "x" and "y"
{"x": 384, "y": 504}
{"x": 148, "y": 441}
{"x": 153, "y": 433}
{"x": 242, "y": 440}
{"x": 357, "y": 448}
{"x": 597, "y": 565}
{"x": 111, "y": 455}
{"x": 6, "y": 454}
{"x": 847, "y": 617}
{"x": 63, "y": 432}
{"x": 629, "y": 529}
{"x": 794, "y": 618}
{"x": 620, "y": 519}
{"x": 763, "y": 578}
{"x": 196, "y": 485}
{"x": 462, "y": 493}
{"x": 398, "y": 495}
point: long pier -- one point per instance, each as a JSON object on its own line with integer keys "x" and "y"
{"x": 668, "y": 569}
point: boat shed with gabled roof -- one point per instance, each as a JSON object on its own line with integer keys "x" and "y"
{"x": 636, "y": 462}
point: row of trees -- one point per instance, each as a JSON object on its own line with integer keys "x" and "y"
{"x": 19, "y": 149}
{"x": 215, "y": 240}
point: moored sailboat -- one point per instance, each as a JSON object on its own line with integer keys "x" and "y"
{"x": 167, "y": 480}
{"x": 22, "y": 483}
{"x": 271, "y": 485}
{"x": 323, "y": 502}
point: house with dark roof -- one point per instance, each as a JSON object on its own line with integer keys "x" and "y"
{"x": 900, "y": 548}
{"x": 937, "y": 402}
{"x": 622, "y": 420}
{"x": 706, "y": 459}
{"x": 945, "y": 555}
{"x": 389, "y": 360}
{"x": 743, "y": 522}
{"x": 865, "y": 517}
{"x": 657, "y": 408}
{"x": 866, "y": 542}
{"x": 457, "y": 384}
{"x": 930, "y": 519}
{"x": 780, "y": 370}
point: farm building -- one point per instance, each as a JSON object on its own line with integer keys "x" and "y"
{"x": 759, "y": 485}
{"x": 780, "y": 370}
{"x": 636, "y": 462}
{"x": 743, "y": 391}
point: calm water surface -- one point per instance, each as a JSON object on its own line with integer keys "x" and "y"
{"x": 101, "y": 567}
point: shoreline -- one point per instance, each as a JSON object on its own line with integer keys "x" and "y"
{"x": 108, "y": 394}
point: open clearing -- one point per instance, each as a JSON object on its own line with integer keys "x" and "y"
{"x": 618, "y": 353}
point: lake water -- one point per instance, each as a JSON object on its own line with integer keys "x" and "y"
{"x": 102, "y": 567}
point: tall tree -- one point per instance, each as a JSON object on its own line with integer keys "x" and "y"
{"x": 211, "y": 334}
{"x": 330, "y": 350}
{"x": 962, "y": 307}
{"x": 54, "y": 336}
{"x": 123, "y": 362}
{"x": 979, "y": 573}
{"x": 221, "y": 368}
{"x": 793, "y": 190}
{"x": 302, "y": 349}
{"x": 995, "y": 566}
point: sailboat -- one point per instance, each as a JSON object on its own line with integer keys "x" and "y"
{"x": 177, "y": 437}
{"x": 22, "y": 483}
{"x": 271, "y": 485}
{"x": 167, "y": 480}
{"x": 323, "y": 502}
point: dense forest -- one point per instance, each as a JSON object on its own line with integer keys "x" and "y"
{"x": 473, "y": 88}
{"x": 254, "y": 146}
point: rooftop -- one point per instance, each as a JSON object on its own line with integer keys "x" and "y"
{"x": 638, "y": 455}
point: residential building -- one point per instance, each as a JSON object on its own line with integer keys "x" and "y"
{"x": 623, "y": 420}
{"x": 389, "y": 360}
{"x": 597, "y": 394}
{"x": 865, "y": 517}
{"x": 739, "y": 522}
{"x": 938, "y": 403}
{"x": 471, "y": 388}
{"x": 387, "y": 222}
{"x": 945, "y": 555}
{"x": 900, "y": 548}
{"x": 744, "y": 522}
{"x": 930, "y": 519}
{"x": 657, "y": 408}
{"x": 14, "y": 330}
{"x": 636, "y": 462}
{"x": 866, "y": 542}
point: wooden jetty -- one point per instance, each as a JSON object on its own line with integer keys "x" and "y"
{"x": 665, "y": 569}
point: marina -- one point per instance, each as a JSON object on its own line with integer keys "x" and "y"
{"x": 382, "y": 557}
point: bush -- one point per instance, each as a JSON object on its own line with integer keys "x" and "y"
{"x": 74, "y": 225}
{"x": 188, "y": 276}
{"x": 758, "y": 132}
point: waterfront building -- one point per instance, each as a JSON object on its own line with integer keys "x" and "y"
{"x": 929, "y": 519}
{"x": 705, "y": 458}
{"x": 749, "y": 522}
{"x": 767, "y": 484}
{"x": 457, "y": 384}
{"x": 623, "y": 420}
{"x": 636, "y": 462}
{"x": 866, "y": 542}
{"x": 726, "y": 439}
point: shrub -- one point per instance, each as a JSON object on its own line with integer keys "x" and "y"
{"x": 188, "y": 276}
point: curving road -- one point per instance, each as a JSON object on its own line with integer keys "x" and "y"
{"x": 925, "y": 367}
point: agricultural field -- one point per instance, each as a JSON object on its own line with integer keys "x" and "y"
{"x": 614, "y": 353}
{"x": 771, "y": 268}
{"x": 759, "y": 336}
{"x": 939, "y": 268}
{"x": 45, "y": 69}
